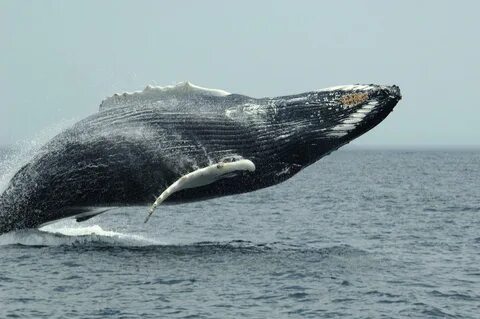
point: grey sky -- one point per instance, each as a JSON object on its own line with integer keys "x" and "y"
{"x": 59, "y": 59}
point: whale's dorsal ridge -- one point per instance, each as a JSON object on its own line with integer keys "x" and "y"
{"x": 156, "y": 94}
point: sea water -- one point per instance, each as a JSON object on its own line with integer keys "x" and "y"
{"x": 359, "y": 234}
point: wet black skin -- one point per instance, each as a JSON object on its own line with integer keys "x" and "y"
{"x": 128, "y": 156}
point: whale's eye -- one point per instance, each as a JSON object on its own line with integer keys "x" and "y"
{"x": 354, "y": 99}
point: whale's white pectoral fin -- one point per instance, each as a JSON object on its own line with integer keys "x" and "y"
{"x": 202, "y": 177}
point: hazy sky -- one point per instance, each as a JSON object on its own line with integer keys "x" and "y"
{"x": 59, "y": 59}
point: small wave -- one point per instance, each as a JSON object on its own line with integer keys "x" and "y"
{"x": 454, "y": 295}
{"x": 452, "y": 209}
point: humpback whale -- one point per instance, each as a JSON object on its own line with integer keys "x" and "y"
{"x": 185, "y": 143}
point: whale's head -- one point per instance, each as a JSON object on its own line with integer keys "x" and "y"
{"x": 316, "y": 123}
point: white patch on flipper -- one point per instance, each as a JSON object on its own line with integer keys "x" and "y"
{"x": 154, "y": 94}
{"x": 202, "y": 177}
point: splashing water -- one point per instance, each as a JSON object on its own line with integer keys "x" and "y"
{"x": 23, "y": 151}
{"x": 67, "y": 233}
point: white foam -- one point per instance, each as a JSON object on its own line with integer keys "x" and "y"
{"x": 97, "y": 231}
{"x": 68, "y": 233}
{"x": 80, "y": 231}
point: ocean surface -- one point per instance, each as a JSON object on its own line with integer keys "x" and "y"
{"x": 360, "y": 234}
